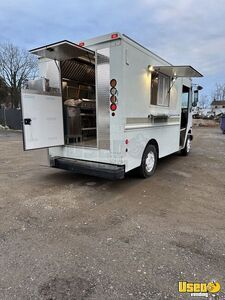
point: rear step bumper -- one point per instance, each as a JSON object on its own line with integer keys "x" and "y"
{"x": 88, "y": 167}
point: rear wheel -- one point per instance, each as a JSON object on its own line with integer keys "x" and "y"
{"x": 187, "y": 147}
{"x": 149, "y": 162}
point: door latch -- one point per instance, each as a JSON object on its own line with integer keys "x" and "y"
{"x": 27, "y": 121}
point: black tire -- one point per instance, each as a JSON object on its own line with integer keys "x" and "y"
{"x": 148, "y": 170}
{"x": 186, "y": 150}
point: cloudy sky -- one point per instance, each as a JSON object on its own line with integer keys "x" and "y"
{"x": 181, "y": 31}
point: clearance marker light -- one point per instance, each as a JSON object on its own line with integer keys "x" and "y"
{"x": 114, "y": 36}
{"x": 81, "y": 44}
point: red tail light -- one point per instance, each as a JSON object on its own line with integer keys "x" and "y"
{"x": 113, "y": 106}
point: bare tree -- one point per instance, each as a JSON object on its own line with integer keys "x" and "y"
{"x": 219, "y": 93}
{"x": 16, "y": 67}
{"x": 3, "y": 91}
{"x": 203, "y": 101}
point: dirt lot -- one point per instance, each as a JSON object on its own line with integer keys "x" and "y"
{"x": 66, "y": 236}
{"x": 205, "y": 123}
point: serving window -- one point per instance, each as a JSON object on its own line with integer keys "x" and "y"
{"x": 160, "y": 86}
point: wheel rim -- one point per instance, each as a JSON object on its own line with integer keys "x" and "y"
{"x": 188, "y": 145}
{"x": 150, "y": 162}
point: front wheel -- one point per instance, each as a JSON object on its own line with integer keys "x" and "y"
{"x": 149, "y": 162}
{"x": 186, "y": 150}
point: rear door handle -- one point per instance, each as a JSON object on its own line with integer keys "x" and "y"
{"x": 27, "y": 121}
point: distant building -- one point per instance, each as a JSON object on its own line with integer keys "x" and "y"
{"x": 218, "y": 106}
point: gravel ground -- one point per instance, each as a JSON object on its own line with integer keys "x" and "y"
{"x": 67, "y": 236}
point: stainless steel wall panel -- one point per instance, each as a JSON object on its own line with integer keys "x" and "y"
{"x": 102, "y": 93}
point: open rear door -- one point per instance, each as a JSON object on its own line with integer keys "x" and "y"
{"x": 42, "y": 120}
{"x": 64, "y": 50}
{"x": 42, "y": 108}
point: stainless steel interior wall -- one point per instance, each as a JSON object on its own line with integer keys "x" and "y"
{"x": 102, "y": 93}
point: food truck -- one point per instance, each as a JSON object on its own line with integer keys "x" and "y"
{"x": 108, "y": 105}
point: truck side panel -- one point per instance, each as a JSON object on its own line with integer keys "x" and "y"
{"x": 139, "y": 128}
{"x": 165, "y": 136}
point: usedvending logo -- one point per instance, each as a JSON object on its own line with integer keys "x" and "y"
{"x": 198, "y": 289}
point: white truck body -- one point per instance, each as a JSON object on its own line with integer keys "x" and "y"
{"x": 121, "y": 135}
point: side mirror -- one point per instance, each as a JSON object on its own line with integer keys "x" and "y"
{"x": 195, "y": 101}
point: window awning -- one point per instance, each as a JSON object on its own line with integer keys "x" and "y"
{"x": 64, "y": 50}
{"x": 178, "y": 71}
